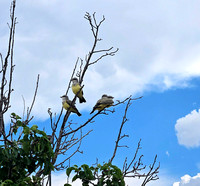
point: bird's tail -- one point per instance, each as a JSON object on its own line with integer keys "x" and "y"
{"x": 82, "y": 100}
{"x": 78, "y": 113}
{"x": 92, "y": 110}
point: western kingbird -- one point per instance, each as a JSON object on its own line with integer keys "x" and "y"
{"x": 67, "y": 103}
{"x": 75, "y": 88}
{"x": 104, "y": 102}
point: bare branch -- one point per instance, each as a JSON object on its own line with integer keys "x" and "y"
{"x": 78, "y": 74}
{"x": 63, "y": 126}
{"x": 72, "y": 75}
{"x": 56, "y": 123}
{"x": 1, "y": 62}
{"x": 77, "y": 150}
{"x": 104, "y": 55}
{"x": 95, "y": 30}
{"x": 88, "y": 17}
{"x": 4, "y": 69}
{"x": 124, "y": 120}
{"x": 24, "y": 103}
{"x": 152, "y": 174}
{"x": 130, "y": 164}
{"x": 11, "y": 64}
{"x": 104, "y": 50}
{"x": 121, "y": 102}
{"x": 29, "y": 110}
{"x": 88, "y": 121}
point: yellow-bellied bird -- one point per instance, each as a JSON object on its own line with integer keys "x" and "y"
{"x": 104, "y": 102}
{"x": 75, "y": 88}
{"x": 68, "y": 104}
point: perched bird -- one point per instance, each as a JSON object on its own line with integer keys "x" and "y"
{"x": 68, "y": 104}
{"x": 104, "y": 102}
{"x": 111, "y": 98}
{"x": 75, "y": 88}
{"x": 109, "y": 101}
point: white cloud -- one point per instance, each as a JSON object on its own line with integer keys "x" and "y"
{"x": 187, "y": 129}
{"x": 187, "y": 180}
{"x": 60, "y": 178}
{"x": 158, "y": 50}
{"x": 162, "y": 181}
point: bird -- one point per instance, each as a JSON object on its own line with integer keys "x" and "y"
{"x": 76, "y": 88}
{"x": 67, "y": 105}
{"x": 111, "y": 98}
{"x": 109, "y": 101}
{"x": 105, "y": 102}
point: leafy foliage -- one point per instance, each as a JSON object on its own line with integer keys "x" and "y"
{"x": 21, "y": 157}
{"x": 106, "y": 174}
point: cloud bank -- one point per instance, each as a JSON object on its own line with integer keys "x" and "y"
{"x": 158, "y": 40}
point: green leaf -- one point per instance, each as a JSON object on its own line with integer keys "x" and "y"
{"x": 34, "y": 128}
{"x": 41, "y": 132}
{"x": 74, "y": 178}
{"x": 17, "y": 117}
{"x": 69, "y": 170}
{"x": 13, "y": 114}
{"x": 15, "y": 129}
{"x": 26, "y": 147}
{"x": 15, "y": 152}
{"x": 26, "y": 130}
{"x": 19, "y": 123}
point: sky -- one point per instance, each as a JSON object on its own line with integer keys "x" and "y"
{"x": 158, "y": 58}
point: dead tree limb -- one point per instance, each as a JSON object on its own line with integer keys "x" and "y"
{"x": 5, "y": 94}
{"x": 95, "y": 26}
{"x": 124, "y": 120}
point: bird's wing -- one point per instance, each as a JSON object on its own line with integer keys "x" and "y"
{"x": 107, "y": 101}
{"x": 81, "y": 89}
{"x": 99, "y": 102}
{"x": 69, "y": 102}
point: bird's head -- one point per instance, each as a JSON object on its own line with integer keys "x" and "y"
{"x": 64, "y": 97}
{"x": 74, "y": 80}
{"x": 104, "y": 96}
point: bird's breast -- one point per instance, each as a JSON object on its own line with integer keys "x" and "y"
{"x": 75, "y": 88}
{"x": 65, "y": 105}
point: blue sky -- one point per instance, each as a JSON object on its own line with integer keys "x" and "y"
{"x": 159, "y": 59}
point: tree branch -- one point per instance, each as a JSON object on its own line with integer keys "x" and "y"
{"x": 4, "y": 101}
{"x": 124, "y": 120}
{"x": 34, "y": 97}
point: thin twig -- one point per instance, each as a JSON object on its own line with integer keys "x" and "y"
{"x": 124, "y": 120}
{"x": 29, "y": 111}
